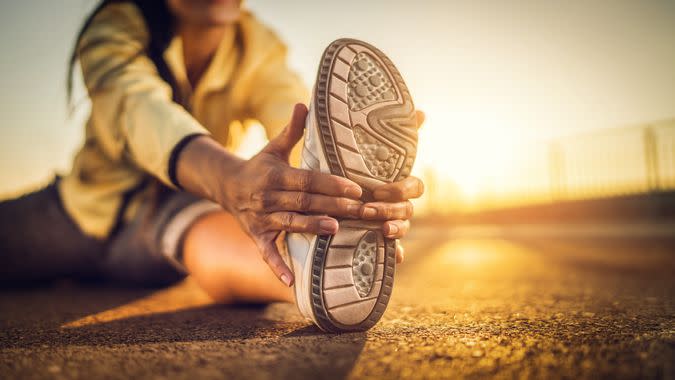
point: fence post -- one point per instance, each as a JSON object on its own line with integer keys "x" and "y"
{"x": 556, "y": 167}
{"x": 651, "y": 159}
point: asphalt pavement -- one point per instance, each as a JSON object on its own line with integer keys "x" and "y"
{"x": 467, "y": 303}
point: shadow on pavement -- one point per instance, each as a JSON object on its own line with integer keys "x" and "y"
{"x": 245, "y": 339}
{"x": 212, "y": 322}
{"x": 47, "y": 307}
{"x": 310, "y": 330}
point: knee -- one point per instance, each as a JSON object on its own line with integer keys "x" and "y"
{"x": 216, "y": 252}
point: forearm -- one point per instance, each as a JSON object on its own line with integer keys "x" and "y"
{"x": 204, "y": 168}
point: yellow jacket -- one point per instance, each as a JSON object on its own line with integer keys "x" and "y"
{"x": 134, "y": 124}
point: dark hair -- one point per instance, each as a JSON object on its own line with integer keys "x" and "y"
{"x": 160, "y": 24}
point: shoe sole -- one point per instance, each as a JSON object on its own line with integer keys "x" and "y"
{"x": 368, "y": 129}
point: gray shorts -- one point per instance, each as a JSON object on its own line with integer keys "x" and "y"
{"x": 39, "y": 241}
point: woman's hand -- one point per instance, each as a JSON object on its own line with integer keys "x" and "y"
{"x": 268, "y": 196}
{"x": 265, "y": 194}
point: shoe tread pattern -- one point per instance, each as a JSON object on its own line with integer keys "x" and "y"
{"x": 391, "y": 122}
{"x": 319, "y": 307}
{"x": 388, "y": 144}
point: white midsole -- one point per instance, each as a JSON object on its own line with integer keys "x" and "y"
{"x": 302, "y": 256}
{"x": 299, "y": 244}
{"x": 307, "y": 283}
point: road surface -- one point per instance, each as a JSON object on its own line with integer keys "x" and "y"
{"x": 466, "y": 304}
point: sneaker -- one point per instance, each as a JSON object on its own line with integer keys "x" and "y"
{"x": 361, "y": 125}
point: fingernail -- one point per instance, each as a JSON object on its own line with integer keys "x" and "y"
{"x": 369, "y": 212}
{"x": 382, "y": 194}
{"x": 353, "y": 192}
{"x": 328, "y": 226}
{"x": 285, "y": 279}
{"x": 393, "y": 229}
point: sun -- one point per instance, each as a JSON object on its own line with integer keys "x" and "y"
{"x": 467, "y": 150}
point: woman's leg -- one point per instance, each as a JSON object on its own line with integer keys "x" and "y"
{"x": 225, "y": 262}
{"x": 40, "y": 242}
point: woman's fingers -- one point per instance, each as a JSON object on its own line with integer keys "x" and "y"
{"x": 400, "y": 253}
{"x": 270, "y": 253}
{"x": 282, "y": 145}
{"x": 387, "y": 211}
{"x": 396, "y": 229}
{"x": 409, "y": 188}
{"x": 292, "y": 179}
{"x": 311, "y": 203}
{"x": 420, "y": 118}
{"x": 294, "y": 222}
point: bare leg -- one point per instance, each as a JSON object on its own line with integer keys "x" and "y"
{"x": 225, "y": 262}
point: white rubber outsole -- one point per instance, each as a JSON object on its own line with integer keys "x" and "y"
{"x": 368, "y": 131}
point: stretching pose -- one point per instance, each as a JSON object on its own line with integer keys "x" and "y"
{"x": 155, "y": 193}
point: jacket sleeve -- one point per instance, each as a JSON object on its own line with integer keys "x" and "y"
{"x": 133, "y": 116}
{"x": 275, "y": 90}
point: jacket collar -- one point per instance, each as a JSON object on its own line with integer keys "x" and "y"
{"x": 217, "y": 74}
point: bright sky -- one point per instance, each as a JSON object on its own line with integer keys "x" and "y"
{"x": 489, "y": 74}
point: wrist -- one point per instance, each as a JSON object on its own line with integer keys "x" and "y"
{"x": 227, "y": 166}
{"x": 176, "y": 153}
{"x": 205, "y": 168}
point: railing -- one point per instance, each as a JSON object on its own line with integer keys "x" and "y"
{"x": 604, "y": 164}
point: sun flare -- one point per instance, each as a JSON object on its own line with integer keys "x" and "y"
{"x": 469, "y": 151}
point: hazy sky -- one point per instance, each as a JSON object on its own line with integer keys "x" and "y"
{"x": 486, "y": 72}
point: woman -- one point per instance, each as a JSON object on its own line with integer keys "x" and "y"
{"x": 154, "y": 192}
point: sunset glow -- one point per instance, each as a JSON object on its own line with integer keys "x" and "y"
{"x": 496, "y": 91}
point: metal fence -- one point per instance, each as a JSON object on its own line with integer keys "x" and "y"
{"x": 608, "y": 163}
{"x": 626, "y": 161}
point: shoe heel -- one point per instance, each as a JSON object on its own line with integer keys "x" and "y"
{"x": 352, "y": 277}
